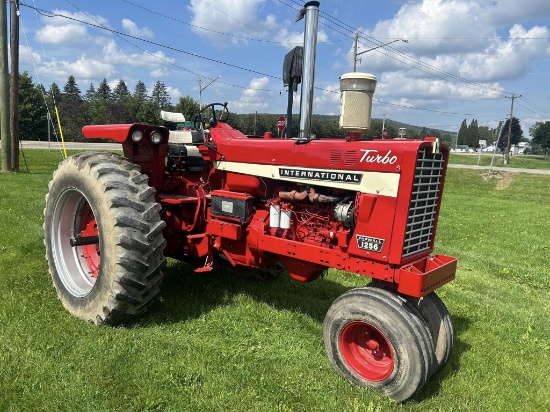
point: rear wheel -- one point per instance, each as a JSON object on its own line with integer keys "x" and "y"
{"x": 437, "y": 318}
{"x": 377, "y": 339}
{"x": 103, "y": 238}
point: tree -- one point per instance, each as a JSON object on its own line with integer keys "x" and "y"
{"x": 541, "y": 135}
{"x": 32, "y": 113}
{"x": 98, "y": 111}
{"x": 54, "y": 95}
{"x": 148, "y": 113}
{"x": 90, "y": 94}
{"x": 472, "y": 139}
{"x": 121, "y": 92}
{"x": 516, "y": 135}
{"x": 462, "y": 133}
{"x": 72, "y": 111}
{"x": 71, "y": 90}
{"x": 160, "y": 96}
{"x": 140, "y": 92}
{"x": 486, "y": 134}
{"x": 104, "y": 90}
{"x": 134, "y": 103}
{"x": 188, "y": 106}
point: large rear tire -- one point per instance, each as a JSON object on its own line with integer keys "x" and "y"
{"x": 377, "y": 339}
{"x": 103, "y": 200}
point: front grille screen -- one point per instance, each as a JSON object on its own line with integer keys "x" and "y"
{"x": 425, "y": 194}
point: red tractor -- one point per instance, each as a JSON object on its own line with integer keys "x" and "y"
{"x": 368, "y": 207}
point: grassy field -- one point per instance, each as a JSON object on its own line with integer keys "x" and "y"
{"x": 217, "y": 343}
{"x": 519, "y": 161}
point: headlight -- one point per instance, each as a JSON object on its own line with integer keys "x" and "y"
{"x": 156, "y": 137}
{"x": 137, "y": 135}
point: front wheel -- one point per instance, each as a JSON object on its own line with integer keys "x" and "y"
{"x": 103, "y": 238}
{"x": 377, "y": 339}
{"x": 437, "y": 318}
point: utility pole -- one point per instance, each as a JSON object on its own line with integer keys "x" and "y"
{"x": 202, "y": 88}
{"x": 355, "y": 52}
{"x": 4, "y": 91}
{"x": 14, "y": 85}
{"x": 507, "y": 154}
{"x": 456, "y": 141}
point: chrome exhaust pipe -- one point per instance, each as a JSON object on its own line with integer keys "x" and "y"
{"x": 311, "y": 11}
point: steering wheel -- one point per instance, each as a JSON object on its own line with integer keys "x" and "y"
{"x": 213, "y": 120}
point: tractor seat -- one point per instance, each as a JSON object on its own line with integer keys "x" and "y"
{"x": 172, "y": 120}
{"x": 185, "y": 137}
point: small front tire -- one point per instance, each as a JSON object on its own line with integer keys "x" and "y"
{"x": 377, "y": 339}
{"x": 438, "y": 320}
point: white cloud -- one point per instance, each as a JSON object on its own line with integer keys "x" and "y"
{"x": 253, "y": 98}
{"x": 174, "y": 93}
{"x": 229, "y": 16}
{"x": 133, "y": 30}
{"x": 327, "y": 99}
{"x": 459, "y": 37}
{"x": 66, "y": 34}
{"x": 505, "y": 12}
{"x": 82, "y": 68}
{"x": 61, "y": 17}
{"x": 401, "y": 84}
{"x": 242, "y": 18}
{"x": 66, "y": 30}
{"x": 153, "y": 60}
{"x": 293, "y": 39}
{"x": 27, "y": 56}
{"x": 507, "y": 59}
{"x": 161, "y": 72}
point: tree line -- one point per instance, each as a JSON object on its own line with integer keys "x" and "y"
{"x": 470, "y": 135}
{"x": 101, "y": 105}
{"x": 106, "y": 105}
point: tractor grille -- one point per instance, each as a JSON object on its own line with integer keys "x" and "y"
{"x": 425, "y": 193}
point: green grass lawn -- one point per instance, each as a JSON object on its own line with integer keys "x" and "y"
{"x": 217, "y": 343}
{"x": 518, "y": 161}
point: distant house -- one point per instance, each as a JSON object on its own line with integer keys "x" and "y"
{"x": 461, "y": 148}
{"x": 522, "y": 146}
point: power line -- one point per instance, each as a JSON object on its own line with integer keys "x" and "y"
{"x": 51, "y": 14}
{"x": 467, "y": 38}
{"x": 268, "y": 40}
{"x": 118, "y": 33}
{"x": 536, "y": 106}
{"x": 339, "y": 23}
{"x": 253, "y": 29}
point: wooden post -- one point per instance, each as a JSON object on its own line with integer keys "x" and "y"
{"x": 507, "y": 153}
{"x": 14, "y": 85}
{"x": 4, "y": 91}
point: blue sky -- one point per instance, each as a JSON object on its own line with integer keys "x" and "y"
{"x": 461, "y": 60}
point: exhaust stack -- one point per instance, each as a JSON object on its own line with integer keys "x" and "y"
{"x": 311, "y": 11}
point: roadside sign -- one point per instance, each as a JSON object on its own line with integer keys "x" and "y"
{"x": 281, "y": 123}
{"x": 187, "y": 124}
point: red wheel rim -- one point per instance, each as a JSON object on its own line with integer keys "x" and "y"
{"x": 366, "y": 351}
{"x": 88, "y": 227}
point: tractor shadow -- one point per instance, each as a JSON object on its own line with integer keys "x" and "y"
{"x": 186, "y": 295}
